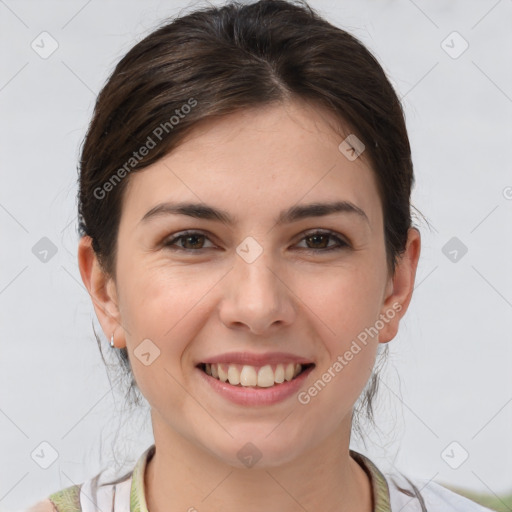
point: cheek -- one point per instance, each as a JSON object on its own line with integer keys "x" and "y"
{"x": 169, "y": 307}
{"x": 158, "y": 306}
{"x": 344, "y": 300}
{"x": 327, "y": 401}
{"x": 158, "y": 296}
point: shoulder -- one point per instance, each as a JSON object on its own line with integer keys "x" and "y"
{"x": 65, "y": 500}
{"x": 103, "y": 492}
{"x": 42, "y": 506}
{"x": 418, "y": 495}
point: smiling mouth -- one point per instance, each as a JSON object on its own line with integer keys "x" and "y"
{"x": 254, "y": 376}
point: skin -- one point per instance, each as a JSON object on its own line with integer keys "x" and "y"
{"x": 195, "y": 305}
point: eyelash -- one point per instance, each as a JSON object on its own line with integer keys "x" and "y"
{"x": 342, "y": 244}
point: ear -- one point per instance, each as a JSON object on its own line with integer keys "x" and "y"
{"x": 400, "y": 287}
{"x": 102, "y": 290}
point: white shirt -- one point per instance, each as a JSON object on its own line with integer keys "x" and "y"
{"x": 392, "y": 492}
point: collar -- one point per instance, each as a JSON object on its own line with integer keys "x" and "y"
{"x": 380, "y": 489}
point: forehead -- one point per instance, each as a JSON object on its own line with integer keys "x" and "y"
{"x": 256, "y": 162}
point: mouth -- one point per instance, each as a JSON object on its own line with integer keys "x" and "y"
{"x": 249, "y": 376}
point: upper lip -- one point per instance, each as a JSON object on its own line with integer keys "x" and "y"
{"x": 253, "y": 359}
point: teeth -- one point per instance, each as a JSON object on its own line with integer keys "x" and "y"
{"x": 223, "y": 376}
{"x": 233, "y": 375}
{"x": 265, "y": 376}
{"x": 246, "y": 375}
{"x": 289, "y": 371}
{"x": 279, "y": 374}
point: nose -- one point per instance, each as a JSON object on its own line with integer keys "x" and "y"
{"x": 257, "y": 297}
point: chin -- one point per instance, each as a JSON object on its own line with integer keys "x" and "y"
{"x": 256, "y": 451}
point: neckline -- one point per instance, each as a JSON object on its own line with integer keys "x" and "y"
{"x": 379, "y": 485}
{"x": 380, "y": 489}
{"x": 137, "y": 493}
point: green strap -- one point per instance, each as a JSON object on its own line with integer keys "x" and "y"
{"x": 380, "y": 488}
{"x": 137, "y": 494}
{"x": 67, "y": 500}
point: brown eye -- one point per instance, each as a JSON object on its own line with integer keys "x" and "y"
{"x": 193, "y": 241}
{"x": 318, "y": 241}
{"x": 188, "y": 241}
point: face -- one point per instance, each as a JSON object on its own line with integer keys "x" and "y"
{"x": 269, "y": 283}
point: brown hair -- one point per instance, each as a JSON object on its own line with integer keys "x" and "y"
{"x": 219, "y": 60}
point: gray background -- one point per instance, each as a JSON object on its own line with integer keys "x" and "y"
{"x": 449, "y": 375}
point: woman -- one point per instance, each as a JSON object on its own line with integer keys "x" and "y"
{"x": 246, "y": 240}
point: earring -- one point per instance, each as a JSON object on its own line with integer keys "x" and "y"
{"x": 112, "y": 340}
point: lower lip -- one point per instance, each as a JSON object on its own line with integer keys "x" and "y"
{"x": 254, "y": 395}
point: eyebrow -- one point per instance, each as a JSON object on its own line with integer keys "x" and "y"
{"x": 292, "y": 214}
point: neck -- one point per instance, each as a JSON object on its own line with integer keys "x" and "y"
{"x": 181, "y": 476}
